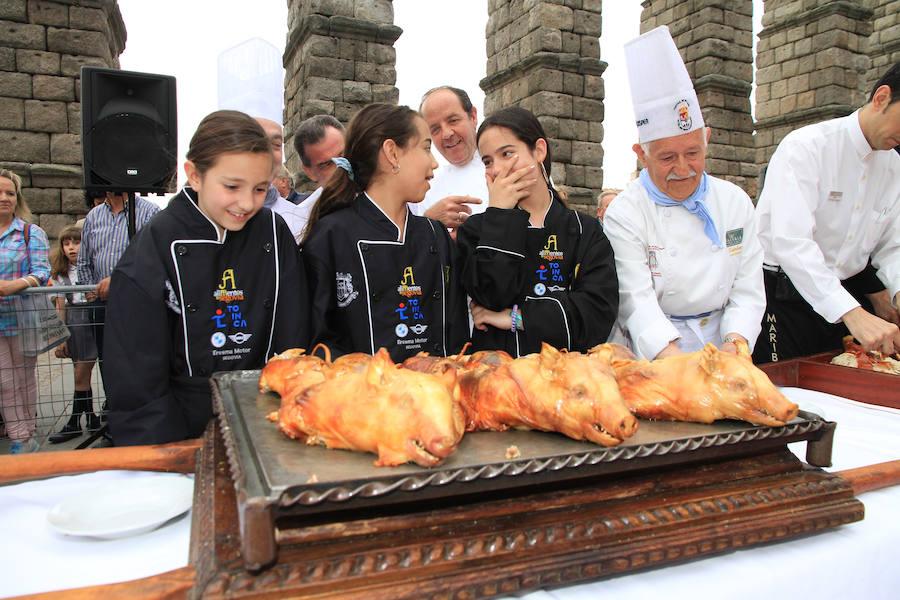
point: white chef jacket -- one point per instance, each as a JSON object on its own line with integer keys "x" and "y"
{"x": 668, "y": 266}
{"x": 450, "y": 180}
{"x": 830, "y": 203}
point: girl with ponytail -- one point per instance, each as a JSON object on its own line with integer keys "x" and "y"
{"x": 379, "y": 275}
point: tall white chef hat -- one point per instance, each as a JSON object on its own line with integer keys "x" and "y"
{"x": 665, "y": 103}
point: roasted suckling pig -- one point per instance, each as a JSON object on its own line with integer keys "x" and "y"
{"x": 369, "y": 404}
{"x": 699, "y": 386}
{"x": 551, "y": 391}
{"x": 855, "y": 355}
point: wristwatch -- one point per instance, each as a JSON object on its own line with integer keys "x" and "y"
{"x": 731, "y": 339}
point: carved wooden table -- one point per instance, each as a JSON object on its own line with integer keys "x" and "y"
{"x": 498, "y": 544}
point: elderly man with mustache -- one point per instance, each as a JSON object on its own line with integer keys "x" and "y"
{"x": 687, "y": 255}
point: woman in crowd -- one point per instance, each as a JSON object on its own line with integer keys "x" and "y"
{"x": 536, "y": 270}
{"x": 212, "y": 283}
{"x": 379, "y": 275}
{"x": 81, "y": 347}
{"x": 23, "y": 263}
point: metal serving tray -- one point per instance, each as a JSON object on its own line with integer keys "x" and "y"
{"x": 285, "y": 477}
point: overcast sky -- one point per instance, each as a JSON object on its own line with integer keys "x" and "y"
{"x": 442, "y": 43}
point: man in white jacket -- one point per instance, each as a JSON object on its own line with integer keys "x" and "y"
{"x": 830, "y": 204}
{"x": 687, "y": 255}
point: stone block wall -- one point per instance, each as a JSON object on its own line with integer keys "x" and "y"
{"x": 715, "y": 39}
{"x": 812, "y": 61}
{"x": 43, "y": 44}
{"x": 339, "y": 56}
{"x": 544, "y": 55}
{"x": 884, "y": 42}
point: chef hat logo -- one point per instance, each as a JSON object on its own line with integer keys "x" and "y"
{"x": 684, "y": 115}
{"x": 665, "y": 103}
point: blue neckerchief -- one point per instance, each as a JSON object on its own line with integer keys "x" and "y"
{"x": 693, "y": 203}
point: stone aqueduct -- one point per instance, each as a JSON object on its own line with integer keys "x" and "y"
{"x": 816, "y": 60}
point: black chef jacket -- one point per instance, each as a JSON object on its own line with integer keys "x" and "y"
{"x": 562, "y": 276}
{"x": 183, "y": 305}
{"x": 372, "y": 290}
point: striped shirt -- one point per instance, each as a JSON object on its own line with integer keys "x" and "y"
{"x": 14, "y": 264}
{"x": 104, "y": 238}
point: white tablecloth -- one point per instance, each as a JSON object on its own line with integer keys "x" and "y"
{"x": 853, "y": 561}
{"x": 36, "y": 558}
{"x": 858, "y": 560}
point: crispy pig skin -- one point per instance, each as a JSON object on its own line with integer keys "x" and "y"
{"x": 698, "y": 386}
{"x": 373, "y": 406}
{"x": 551, "y": 391}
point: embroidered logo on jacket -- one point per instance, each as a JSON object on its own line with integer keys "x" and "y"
{"x": 550, "y": 251}
{"x": 172, "y": 299}
{"x": 228, "y": 291}
{"x": 408, "y": 285}
{"x": 344, "y": 288}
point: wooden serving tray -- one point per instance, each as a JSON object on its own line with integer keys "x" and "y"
{"x": 282, "y": 486}
{"x": 508, "y": 542}
{"x": 817, "y": 373}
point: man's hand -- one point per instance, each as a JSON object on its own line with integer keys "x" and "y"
{"x": 509, "y": 187}
{"x": 101, "y": 291}
{"x": 62, "y": 351}
{"x": 731, "y": 347}
{"x": 671, "y": 350}
{"x": 452, "y": 210}
{"x": 482, "y": 317}
{"x": 881, "y": 303}
{"x": 872, "y": 332}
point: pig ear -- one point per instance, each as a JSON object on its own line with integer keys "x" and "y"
{"x": 743, "y": 350}
{"x": 709, "y": 359}
{"x": 551, "y": 358}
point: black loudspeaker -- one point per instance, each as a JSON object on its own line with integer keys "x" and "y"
{"x": 129, "y": 130}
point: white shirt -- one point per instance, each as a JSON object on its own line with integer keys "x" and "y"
{"x": 667, "y": 266}
{"x": 829, "y": 203}
{"x": 450, "y": 180}
{"x": 304, "y": 210}
{"x": 291, "y": 214}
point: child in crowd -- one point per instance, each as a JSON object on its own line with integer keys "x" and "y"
{"x": 381, "y": 276}
{"x": 214, "y": 282}
{"x": 536, "y": 270}
{"x": 80, "y": 347}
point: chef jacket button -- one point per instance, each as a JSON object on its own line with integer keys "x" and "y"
{"x": 204, "y": 372}
{"x": 436, "y": 294}
{"x": 376, "y": 296}
{"x": 670, "y": 292}
{"x": 432, "y": 249}
{"x": 364, "y": 247}
{"x": 714, "y": 248}
{"x": 437, "y": 349}
{"x": 673, "y": 252}
{"x": 667, "y": 212}
{"x": 268, "y": 246}
{"x": 267, "y": 303}
{"x": 721, "y": 286}
{"x": 181, "y": 250}
{"x": 192, "y": 308}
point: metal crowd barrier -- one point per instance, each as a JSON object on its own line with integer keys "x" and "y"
{"x": 55, "y": 383}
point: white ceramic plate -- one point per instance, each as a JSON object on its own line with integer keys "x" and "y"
{"x": 123, "y": 509}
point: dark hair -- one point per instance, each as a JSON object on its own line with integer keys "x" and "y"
{"x": 523, "y": 124}
{"x": 311, "y": 131}
{"x": 368, "y": 130}
{"x": 226, "y": 132}
{"x": 89, "y": 196}
{"x": 461, "y": 94}
{"x": 890, "y": 79}
{"x": 59, "y": 262}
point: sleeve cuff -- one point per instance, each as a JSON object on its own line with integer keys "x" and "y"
{"x": 836, "y": 305}
{"x": 653, "y": 337}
